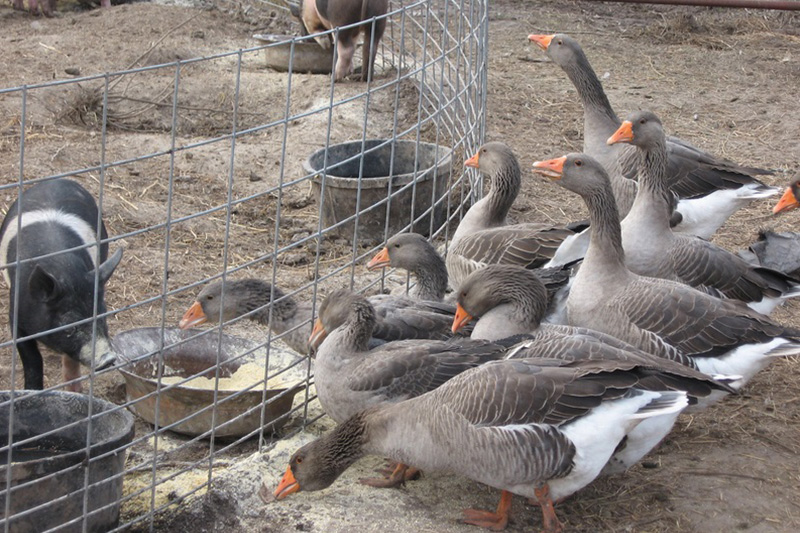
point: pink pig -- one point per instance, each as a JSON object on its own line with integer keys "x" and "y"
{"x": 322, "y": 15}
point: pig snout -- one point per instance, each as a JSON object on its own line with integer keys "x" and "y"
{"x": 103, "y": 354}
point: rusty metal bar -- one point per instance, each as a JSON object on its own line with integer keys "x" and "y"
{"x": 785, "y": 5}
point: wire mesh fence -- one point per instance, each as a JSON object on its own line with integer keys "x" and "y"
{"x": 235, "y": 171}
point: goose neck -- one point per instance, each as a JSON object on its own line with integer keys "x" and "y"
{"x": 431, "y": 278}
{"x": 505, "y": 186}
{"x": 605, "y": 247}
{"x": 599, "y": 118}
{"x": 653, "y": 199}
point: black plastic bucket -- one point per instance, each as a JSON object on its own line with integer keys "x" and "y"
{"x": 417, "y": 174}
{"x": 49, "y": 461}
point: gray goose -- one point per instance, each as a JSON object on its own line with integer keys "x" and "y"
{"x": 657, "y": 315}
{"x": 653, "y": 249}
{"x": 398, "y": 318}
{"x": 414, "y": 253}
{"x": 508, "y": 301}
{"x": 254, "y": 298}
{"x": 483, "y": 237}
{"x": 709, "y": 189}
{"x": 520, "y": 426}
{"x": 350, "y": 377}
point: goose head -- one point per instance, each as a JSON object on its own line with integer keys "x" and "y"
{"x": 406, "y": 250}
{"x": 342, "y": 307}
{"x": 791, "y": 197}
{"x": 318, "y": 464}
{"x": 641, "y": 128}
{"x": 497, "y": 285}
{"x": 233, "y": 299}
{"x": 576, "y": 172}
{"x": 493, "y": 158}
{"x": 559, "y": 47}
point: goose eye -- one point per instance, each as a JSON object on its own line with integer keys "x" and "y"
{"x": 559, "y": 41}
{"x": 397, "y": 245}
{"x": 578, "y": 162}
{"x": 642, "y": 121}
{"x": 209, "y": 297}
{"x": 298, "y": 460}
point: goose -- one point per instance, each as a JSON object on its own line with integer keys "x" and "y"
{"x": 350, "y": 377}
{"x": 653, "y": 249}
{"x": 413, "y": 252}
{"x": 416, "y": 254}
{"x": 776, "y": 250}
{"x": 789, "y": 200}
{"x": 508, "y": 301}
{"x": 398, "y": 318}
{"x": 484, "y": 238}
{"x": 709, "y": 189}
{"x": 657, "y": 315}
{"x": 525, "y": 428}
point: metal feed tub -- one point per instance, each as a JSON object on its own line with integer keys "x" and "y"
{"x": 186, "y": 408}
{"x": 308, "y": 55}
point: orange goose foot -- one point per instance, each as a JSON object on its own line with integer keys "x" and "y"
{"x": 410, "y": 475}
{"x": 549, "y": 518}
{"x": 496, "y": 521}
{"x": 397, "y": 478}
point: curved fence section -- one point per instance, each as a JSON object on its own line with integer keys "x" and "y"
{"x": 207, "y": 171}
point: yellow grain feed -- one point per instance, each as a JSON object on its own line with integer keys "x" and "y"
{"x": 246, "y": 375}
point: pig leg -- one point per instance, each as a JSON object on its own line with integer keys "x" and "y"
{"x": 372, "y": 36}
{"x": 71, "y": 370}
{"x": 314, "y": 23}
{"x": 345, "y": 49}
{"x": 47, "y": 7}
{"x": 17, "y": 4}
{"x": 32, "y": 366}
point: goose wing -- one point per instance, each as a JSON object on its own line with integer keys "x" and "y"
{"x": 693, "y": 322}
{"x": 406, "y": 369}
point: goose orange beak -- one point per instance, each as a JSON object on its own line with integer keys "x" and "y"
{"x": 380, "y": 260}
{"x": 624, "y": 134}
{"x": 472, "y": 162}
{"x": 787, "y": 202}
{"x": 194, "y": 316}
{"x": 461, "y": 318}
{"x": 552, "y": 168}
{"x": 318, "y": 335}
{"x": 542, "y": 40}
{"x": 287, "y": 486}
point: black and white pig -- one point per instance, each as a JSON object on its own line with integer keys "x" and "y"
{"x": 57, "y": 290}
{"x": 322, "y": 15}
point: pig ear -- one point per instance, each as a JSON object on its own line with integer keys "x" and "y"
{"x": 108, "y": 266}
{"x": 43, "y": 287}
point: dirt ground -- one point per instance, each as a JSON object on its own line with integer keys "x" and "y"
{"x": 724, "y": 79}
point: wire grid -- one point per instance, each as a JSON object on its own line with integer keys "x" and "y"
{"x": 431, "y": 71}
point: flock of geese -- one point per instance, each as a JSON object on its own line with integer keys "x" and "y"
{"x": 569, "y": 350}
